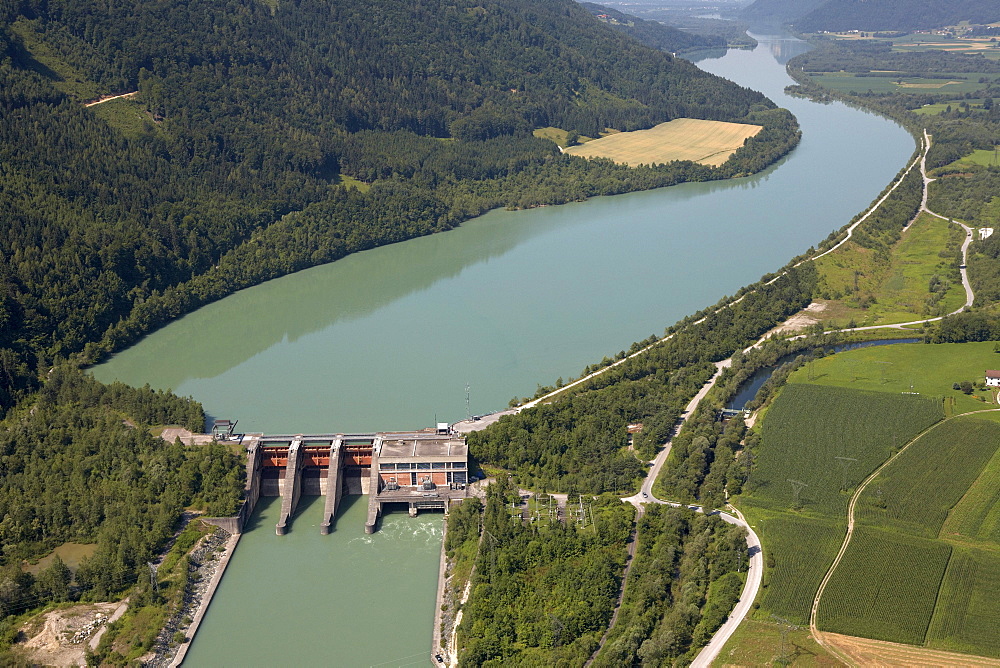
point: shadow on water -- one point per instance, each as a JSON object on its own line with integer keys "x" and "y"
{"x": 262, "y": 512}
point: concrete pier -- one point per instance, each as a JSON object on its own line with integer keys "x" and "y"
{"x": 293, "y": 485}
{"x": 334, "y": 487}
{"x": 374, "y": 486}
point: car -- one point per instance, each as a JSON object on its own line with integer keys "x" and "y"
{"x": 440, "y": 659}
{"x": 645, "y": 496}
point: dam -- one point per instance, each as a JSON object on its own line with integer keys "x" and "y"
{"x": 426, "y": 469}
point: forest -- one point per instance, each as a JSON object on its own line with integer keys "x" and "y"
{"x": 263, "y": 139}
{"x": 82, "y": 466}
{"x": 543, "y": 593}
{"x": 248, "y": 120}
{"x": 654, "y": 33}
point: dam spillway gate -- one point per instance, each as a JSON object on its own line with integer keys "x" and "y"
{"x": 425, "y": 469}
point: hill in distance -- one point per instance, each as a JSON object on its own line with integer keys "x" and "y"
{"x": 888, "y": 15}
{"x": 871, "y": 15}
{"x": 653, "y": 33}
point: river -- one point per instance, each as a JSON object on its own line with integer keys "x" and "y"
{"x": 391, "y": 338}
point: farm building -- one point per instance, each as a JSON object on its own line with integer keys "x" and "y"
{"x": 993, "y": 378}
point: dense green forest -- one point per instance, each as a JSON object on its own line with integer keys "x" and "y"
{"x": 684, "y": 583}
{"x": 542, "y": 593}
{"x": 82, "y": 466}
{"x": 654, "y": 33}
{"x": 227, "y": 168}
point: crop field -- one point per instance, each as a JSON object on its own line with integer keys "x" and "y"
{"x": 900, "y": 288}
{"x": 801, "y": 550}
{"x": 967, "y": 615}
{"x": 922, "y": 41}
{"x": 977, "y": 516}
{"x": 885, "y": 587}
{"x": 819, "y": 442}
{"x": 916, "y": 492}
{"x": 868, "y": 652}
{"x": 705, "y": 142}
{"x": 931, "y": 370}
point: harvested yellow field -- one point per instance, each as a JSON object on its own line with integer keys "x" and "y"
{"x": 865, "y": 652}
{"x": 706, "y": 142}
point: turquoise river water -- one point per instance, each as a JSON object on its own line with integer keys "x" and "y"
{"x": 389, "y": 339}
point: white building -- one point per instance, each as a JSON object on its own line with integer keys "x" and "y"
{"x": 993, "y": 378}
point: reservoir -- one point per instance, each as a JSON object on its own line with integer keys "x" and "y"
{"x": 389, "y": 339}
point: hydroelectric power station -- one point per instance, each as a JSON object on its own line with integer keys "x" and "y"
{"x": 424, "y": 469}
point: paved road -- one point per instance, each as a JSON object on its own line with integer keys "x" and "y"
{"x": 711, "y": 651}
{"x": 754, "y": 575}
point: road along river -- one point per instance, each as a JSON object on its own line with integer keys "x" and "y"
{"x": 389, "y": 339}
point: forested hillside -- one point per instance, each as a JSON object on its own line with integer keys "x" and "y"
{"x": 778, "y": 12}
{"x": 837, "y": 15}
{"x": 654, "y": 33}
{"x": 871, "y": 15}
{"x": 230, "y": 165}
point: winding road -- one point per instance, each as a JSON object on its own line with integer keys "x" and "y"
{"x": 645, "y": 495}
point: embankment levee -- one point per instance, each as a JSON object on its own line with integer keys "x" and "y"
{"x": 206, "y": 599}
{"x": 437, "y": 649}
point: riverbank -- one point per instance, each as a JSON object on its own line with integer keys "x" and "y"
{"x": 210, "y": 571}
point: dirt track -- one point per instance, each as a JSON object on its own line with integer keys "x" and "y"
{"x": 865, "y": 652}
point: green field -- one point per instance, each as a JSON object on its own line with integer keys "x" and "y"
{"x": 769, "y": 643}
{"x": 981, "y": 157}
{"x": 847, "y": 82}
{"x": 558, "y": 136}
{"x": 900, "y": 290}
{"x": 918, "y": 490}
{"x": 810, "y": 426}
{"x": 794, "y": 573}
{"x": 977, "y": 516}
{"x": 967, "y": 615}
{"x": 941, "y": 107}
{"x": 885, "y": 587}
{"x": 930, "y": 370}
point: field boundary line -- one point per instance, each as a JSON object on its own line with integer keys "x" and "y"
{"x": 813, "y": 628}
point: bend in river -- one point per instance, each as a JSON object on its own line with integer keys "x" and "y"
{"x": 389, "y": 338}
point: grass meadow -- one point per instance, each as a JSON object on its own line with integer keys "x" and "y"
{"x": 874, "y": 292}
{"x": 885, "y": 587}
{"x": 759, "y": 642}
{"x": 847, "y": 82}
{"x": 705, "y": 142}
{"x": 981, "y": 157}
{"x": 929, "y": 369}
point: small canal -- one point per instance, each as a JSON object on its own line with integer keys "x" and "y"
{"x": 748, "y": 390}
